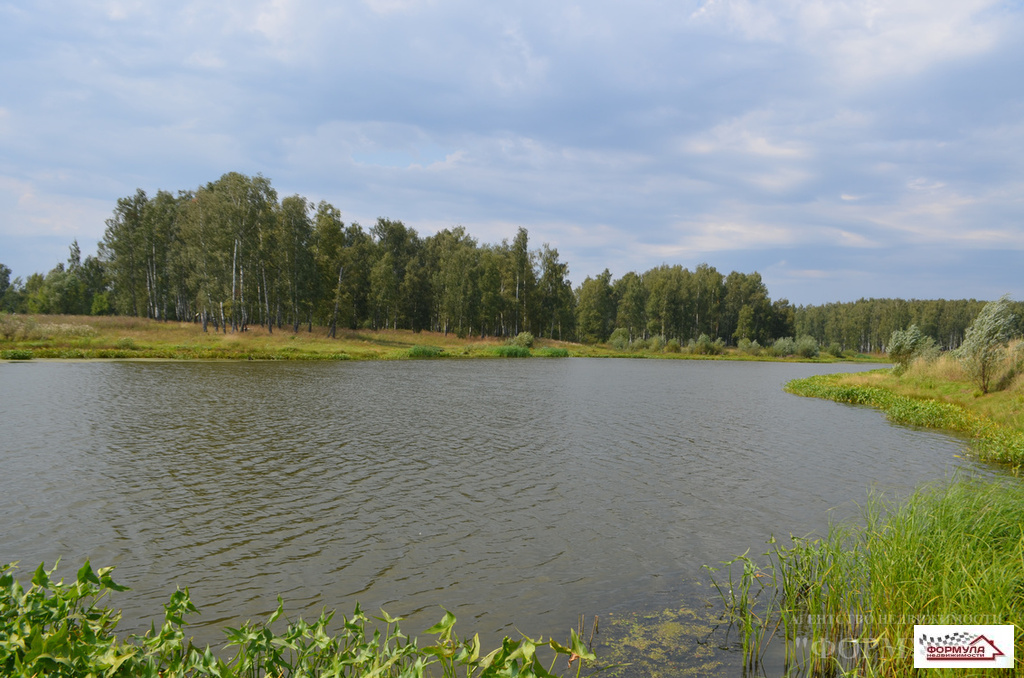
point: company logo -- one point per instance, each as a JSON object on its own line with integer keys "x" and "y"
{"x": 963, "y": 646}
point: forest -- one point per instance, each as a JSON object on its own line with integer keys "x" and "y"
{"x": 231, "y": 254}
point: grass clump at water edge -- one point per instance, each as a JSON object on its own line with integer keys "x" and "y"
{"x": 846, "y": 603}
{"x": 61, "y": 630}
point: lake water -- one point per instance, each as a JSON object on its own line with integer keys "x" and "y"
{"x": 518, "y": 494}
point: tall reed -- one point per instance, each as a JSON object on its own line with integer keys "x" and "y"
{"x": 846, "y": 602}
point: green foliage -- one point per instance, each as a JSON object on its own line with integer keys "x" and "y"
{"x": 904, "y": 346}
{"x": 807, "y": 347}
{"x": 60, "y": 630}
{"x": 508, "y": 351}
{"x": 950, "y": 552}
{"x": 984, "y": 347}
{"x": 656, "y": 342}
{"x": 16, "y": 354}
{"x": 524, "y": 339}
{"x": 554, "y": 352}
{"x": 749, "y": 347}
{"x": 125, "y": 343}
{"x": 673, "y": 346}
{"x": 705, "y": 346}
{"x": 783, "y": 346}
{"x": 835, "y": 349}
{"x": 425, "y": 352}
{"x": 619, "y": 339}
{"x": 992, "y": 442}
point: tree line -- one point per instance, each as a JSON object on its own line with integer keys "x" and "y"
{"x": 231, "y": 255}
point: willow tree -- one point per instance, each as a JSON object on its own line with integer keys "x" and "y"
{"x": 984, "y": 348}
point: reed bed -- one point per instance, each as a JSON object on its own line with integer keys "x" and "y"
{"x": 845, "y": 603}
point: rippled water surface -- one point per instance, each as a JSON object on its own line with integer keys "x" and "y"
{"x": 518, "y": 494}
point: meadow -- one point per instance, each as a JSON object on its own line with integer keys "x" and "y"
{"x": 24, "y": 337}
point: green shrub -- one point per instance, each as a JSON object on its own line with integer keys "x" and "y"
{"x": 639, "y": 344}
{"x": 619, "y": 339}
{"x": 126, "y": 343}
{"x": 749, "y": 347}
{"x": 524, "y": 339}
{"x": 509, "y": 351}
{"x": 656, "y": 342}
{"x": 807, "y": 347}
{"x": 673, "y": 346}
{"x": 704, "y": 346}
{"x": 555, "y": 352}
{"x": 783, "y": 346}
{"x": 835, "y": 349}
{"x": 425, "y": 351}
{"x": 16, "y": 354}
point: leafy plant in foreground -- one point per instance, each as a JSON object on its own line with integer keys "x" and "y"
{"x": 61, "y": 630}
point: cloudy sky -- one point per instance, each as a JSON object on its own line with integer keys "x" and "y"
{"x": 841, "y": 148}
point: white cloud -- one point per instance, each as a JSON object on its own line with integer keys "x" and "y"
{"x": 30, "y": 208}
{"x": 865, "y": 40}
{"x": 759, "y": 133}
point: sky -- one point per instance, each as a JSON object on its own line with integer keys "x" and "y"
{"x": 840, "y": 148}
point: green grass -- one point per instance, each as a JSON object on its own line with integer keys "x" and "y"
{"x": 60, "y": 630}
{"x": 511, "y": 351}
{"x": 119, "y": 337}
{"x": 992, "y": 441}
{"x": 846, "y": 603}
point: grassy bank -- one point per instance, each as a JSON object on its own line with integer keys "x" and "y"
{"x": 953, "y": 553}
{"x": 846, "y": 603}
{"x": 49, "y": 628}
{"x": 994, "y": 421}
{"x": 112, "y": 337}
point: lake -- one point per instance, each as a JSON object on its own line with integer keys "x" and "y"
{"x": 516, "y": 493}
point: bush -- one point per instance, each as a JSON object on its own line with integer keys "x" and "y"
{"x": 524, "y": 339}
{"x": 656, "y": 343}
{"x": 639, "y": 345}
{"x": 16, "y": 354}
{"x": 749, "y": 347}
{"x": 807, "y": 347}
{"x": 704, "y": 346}
{"x": 126, "y": 343}
{"x": 835, "y": 349}
{"x": 906, "y": 345}
{"x": 782, "y": 347}
{"x": 555, "y": 353}
{"x": 619, "y": 339}
{"x": 673, "y": 346}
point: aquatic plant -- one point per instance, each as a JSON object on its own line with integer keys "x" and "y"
{"x": 845, "y": 603}
{"x": 61, "y": 630}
